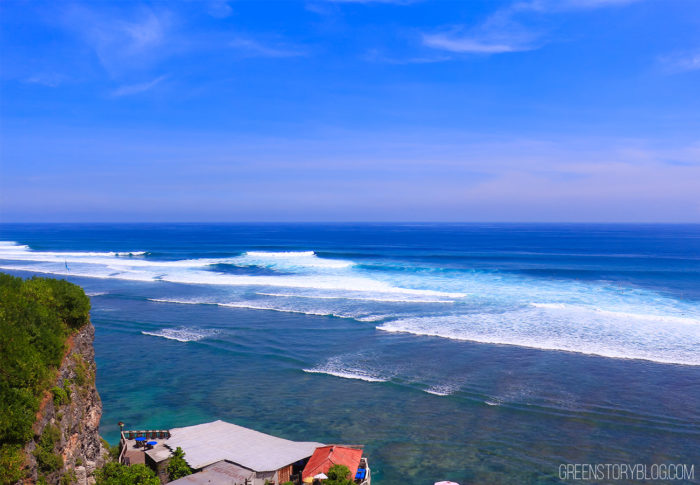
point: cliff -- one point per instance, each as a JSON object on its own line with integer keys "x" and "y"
{"x": 67, "y": 424}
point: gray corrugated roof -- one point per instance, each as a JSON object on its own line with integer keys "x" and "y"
{"x": 221, "y": 473}
{"x": 208, "y": 443}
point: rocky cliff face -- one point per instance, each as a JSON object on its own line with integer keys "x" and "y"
{"x": 68, "y": 422}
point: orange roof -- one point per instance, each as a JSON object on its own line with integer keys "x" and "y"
{"x": 327, "y": 456}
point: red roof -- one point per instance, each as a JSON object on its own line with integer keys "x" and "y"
{"x": 327, "y": 456}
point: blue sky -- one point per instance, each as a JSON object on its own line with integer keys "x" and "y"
{"x": 355, "y": 110}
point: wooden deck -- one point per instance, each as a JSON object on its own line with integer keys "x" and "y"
{"x": 134, "y": 457}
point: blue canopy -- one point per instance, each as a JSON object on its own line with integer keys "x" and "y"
{"x": 152, "y": 443}
{"x": 140, "y": 438}
{"x": 360, "y": 473}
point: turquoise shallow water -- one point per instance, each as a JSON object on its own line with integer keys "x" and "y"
{"x": 476, "y": 353}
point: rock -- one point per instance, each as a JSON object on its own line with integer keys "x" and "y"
{"x": 81, "y": 475}
{"x": 77, "y": 420}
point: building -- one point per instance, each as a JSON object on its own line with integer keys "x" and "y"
{"x": 229, "y": 454}
{"x": 325, "y": 457}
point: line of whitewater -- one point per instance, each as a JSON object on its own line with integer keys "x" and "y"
{"x": 347, "y": 374}
{"x": 619, "y": 314}
{"x": 543, "y": 345}
{"x": 252, "y": 306}
{"x": 300, "y": 270}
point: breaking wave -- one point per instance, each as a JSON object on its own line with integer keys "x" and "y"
{"x": 387, "y": 299}
{"x": 589, "y": 317}
{"x": 663, "y": 339}
{"x": 335, "y": 367}
{"x": 347, "y": 374}
{"x": 182, "y": 334}
{"x": 300, "y": 270}
{"x": 289, "y": 260}
{"x": 442, "y": 389}
{"x": 362, "y": 317}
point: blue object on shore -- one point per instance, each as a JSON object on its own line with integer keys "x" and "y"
{"x": 140, "y": 438}
{"x": 360, "y": 473}
{"x": 152, "y": 443}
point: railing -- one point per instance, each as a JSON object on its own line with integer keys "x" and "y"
{"x": 368, "y": 473}
{"x": 153, "y": 434}
{"x": 122, "y": 444}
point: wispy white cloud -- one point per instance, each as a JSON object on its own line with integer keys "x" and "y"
{"x": 121, "y": 39}
{"x": 499, "y": 33}
{"x": 219, "y": 8}
{"x": 456, "y": 43}
{"x": 551, "y": 6}
{"x": 331, "y": 7}
{"x": 394, "y": 2}
{"x": 129, "y": 89}
{"x": 688, "y": 61}
{"x": 50, "y": 80}
{"x": 595, "y": 3}
{"x": 253, "y": 48}
{"x": 375, "y": 55}
{"x": 506, "y": 30}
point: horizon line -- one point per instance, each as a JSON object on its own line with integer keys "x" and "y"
{"x": 360, "y": 222}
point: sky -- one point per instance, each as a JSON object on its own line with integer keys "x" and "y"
{"x": 350, "y": 110}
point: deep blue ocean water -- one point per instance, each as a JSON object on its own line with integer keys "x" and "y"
{"x": 479, "y": 353}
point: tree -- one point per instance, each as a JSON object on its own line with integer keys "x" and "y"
{"x": 177, "y": 466}
{"x": 338, "y": 475}
{"x": 118, "y": 474}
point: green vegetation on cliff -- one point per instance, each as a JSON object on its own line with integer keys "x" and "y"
{"x": 37, "y": 316}
{"x": 177, "y": 466}
{"x": 118, "y": 474}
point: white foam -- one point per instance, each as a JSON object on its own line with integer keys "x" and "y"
{"x": 96, "y": 293}
{"x": 442, "y": 389}
{"x": 308, "y": 270}
{"x": 182, "y": 302}
{"x": 373, "y": 318}
{"x": 289, "y": 259}
{"x": 559, "y": 306}
{"x": 347, "y": 374}
{"x": 280, "y": 254}
{"x": 491, "y": 307}
{"x": 318, "y": 312}
{"x": 182, "y": 334}
{"x": 314, "y": 282}
{"x": 651, "y": 317}
{"x": 130, "y": 253}
{"x": 251, "y": 305}
{"x": 358, "y": 366}
{"x": 566, "y": 329}
{"x": 254, "y": 306}
{"x": 12, "y": 245}
{"x": 387, "y": 299}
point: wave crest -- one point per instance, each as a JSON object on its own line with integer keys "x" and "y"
{"x": 182, "y": 334}
{"x": 570, "y": 329}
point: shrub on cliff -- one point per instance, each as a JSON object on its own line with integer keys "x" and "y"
{"x": 11, "y": 461}
{"x": 60, "y": 396}
{"x": 338, "y": 475}
{"x": 118, "y": 474}
{"x": 47, "y": 460}
{"x": 177, "y": 466}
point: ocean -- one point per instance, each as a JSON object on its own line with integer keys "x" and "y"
{"x": 478, "y": 353}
